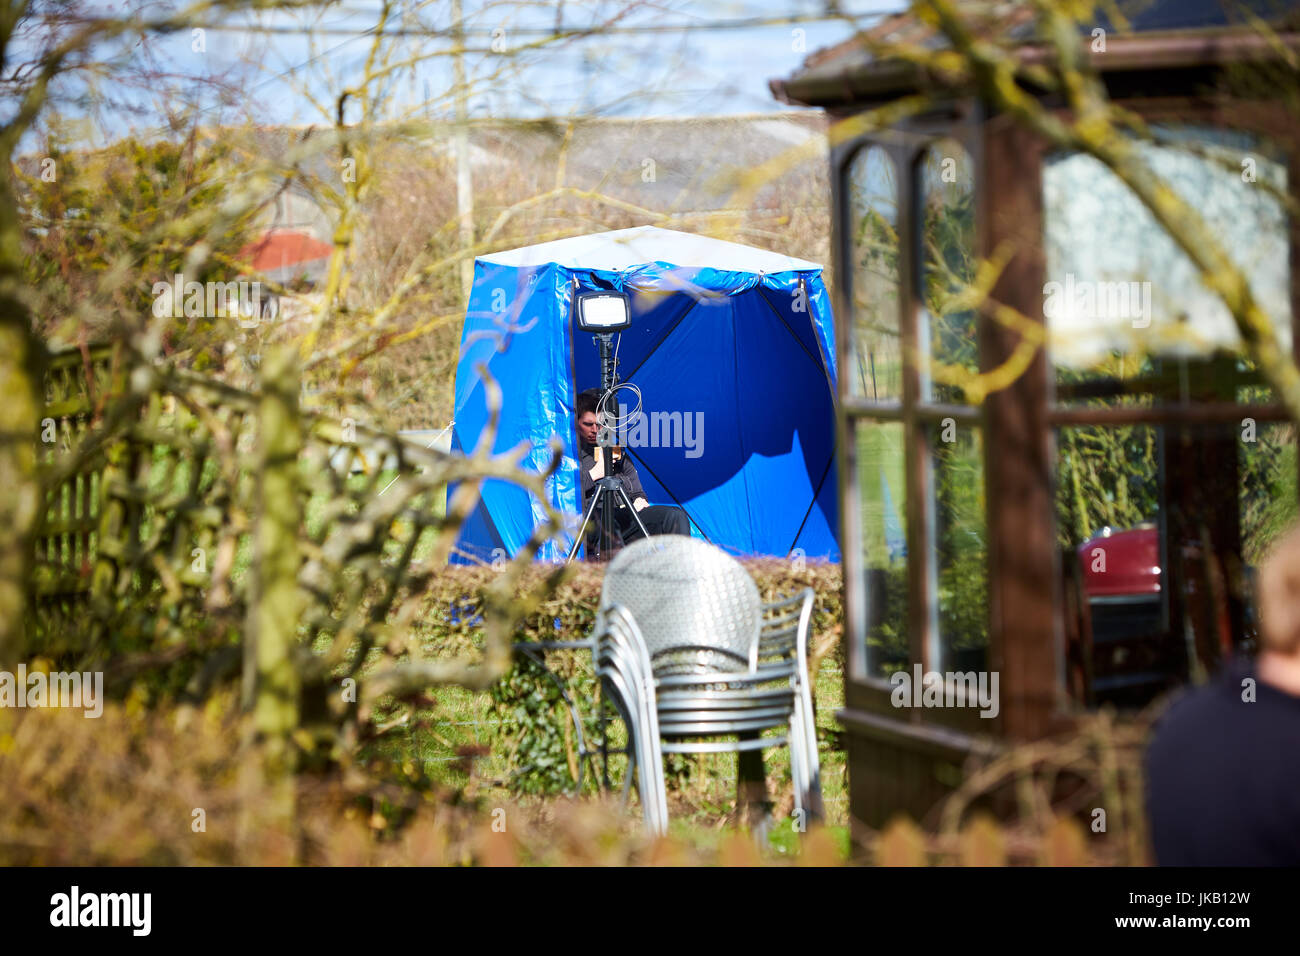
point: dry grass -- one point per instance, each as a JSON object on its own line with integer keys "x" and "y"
{"x": 123, "y": 790}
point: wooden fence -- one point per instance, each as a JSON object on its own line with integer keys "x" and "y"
{"x": 134, "y": 503}
{"x": 177, "y": 504}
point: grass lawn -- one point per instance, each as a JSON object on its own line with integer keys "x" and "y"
{"x": 700, "y": 809}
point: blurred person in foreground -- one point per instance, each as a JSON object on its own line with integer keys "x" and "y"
{"x": 1223, "y": 765}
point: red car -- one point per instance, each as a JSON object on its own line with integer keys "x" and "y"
{"x": 1121, "y": 563}
{"x": 1130, "y": 650}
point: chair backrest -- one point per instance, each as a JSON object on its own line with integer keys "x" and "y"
{"x": 784, "y": 628}
{"x": 696, "y": 606}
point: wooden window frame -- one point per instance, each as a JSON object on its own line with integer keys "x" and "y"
{"x": 1026, "y": 609}
{"x": 905, "y": 146}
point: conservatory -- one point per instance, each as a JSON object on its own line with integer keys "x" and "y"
{"x": 1060, "y": 491}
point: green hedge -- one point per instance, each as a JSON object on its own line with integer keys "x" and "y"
{"x": 527, "y": 701}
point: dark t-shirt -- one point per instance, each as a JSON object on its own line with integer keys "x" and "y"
{"x": 1223, "y": 776}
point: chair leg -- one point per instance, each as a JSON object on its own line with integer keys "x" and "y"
{"x": 650, "y": 767}
{"x": 641, "y": 763}
{"x": 811, "y": 763}
{"x": 653, "y": 787}
{"x": 798, "y": 762}
{"x": 812, "y": 769}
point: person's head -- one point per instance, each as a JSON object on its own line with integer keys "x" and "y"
{"x": 588, "y": 423}
{"x": 1279, "y": 596}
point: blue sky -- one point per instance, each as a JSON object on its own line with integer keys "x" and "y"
{"x": 659, "y": 59}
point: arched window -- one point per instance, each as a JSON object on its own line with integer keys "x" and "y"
{"x": 874, "y": 368}
{"x": 946, "y": 333}
{"x": 948, "y": 360}
{"x": 875, "y": 365}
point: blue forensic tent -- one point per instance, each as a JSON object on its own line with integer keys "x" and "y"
{"x": 732, "y": 348}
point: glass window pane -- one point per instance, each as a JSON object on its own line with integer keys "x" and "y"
{"x": 1105, "y": 478}
{"x": 1121, "y": 300}
{"x": 1112, "y": 538}
{"x": 875, "y": 361}
{"x": 1154, "y": 559}
{"x": 882, "y": 491}
{"x": 949, "y": 353}
{"x": 959, "y": 571}
{"x": 1268, "y": 486}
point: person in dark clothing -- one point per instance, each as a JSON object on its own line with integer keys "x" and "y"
{"x": 658, "y": 519}
{"x": 1223, "y": 764}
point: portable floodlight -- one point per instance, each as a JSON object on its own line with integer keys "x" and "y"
{"x": 601, "y": 311}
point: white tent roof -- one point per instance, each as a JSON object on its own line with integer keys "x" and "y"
{"x": 625, "y": 248}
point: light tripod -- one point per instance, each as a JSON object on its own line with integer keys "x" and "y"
{"x": 607, "y": 486}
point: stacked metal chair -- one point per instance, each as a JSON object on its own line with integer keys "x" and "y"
{"x": 623, "y": 668}
{"x": 722, "y": 664}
